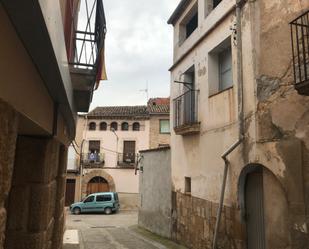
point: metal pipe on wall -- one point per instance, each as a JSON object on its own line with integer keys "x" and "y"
{"x": 239, "y": 4}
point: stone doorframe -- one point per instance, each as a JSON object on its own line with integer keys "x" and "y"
{"x": 93, "y": 173}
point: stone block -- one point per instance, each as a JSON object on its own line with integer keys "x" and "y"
{"x": 63, "y": 158}
{"x": 35, "y": 160}
{"x": 59, "y": 210}
{"x": 23, "y": 240}
{"x": 58, "y": 232}
{"x": 50, "y": 230}
{"x": 40, "y": 206}
{"x": 2, "y": 226}
{"x": 19, "y": 203}
{"x": 61, "y": 183}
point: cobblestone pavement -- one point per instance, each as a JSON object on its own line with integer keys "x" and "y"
{"x": 99, "y": 231}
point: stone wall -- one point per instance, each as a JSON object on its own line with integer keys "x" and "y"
{"x": 194, "y": 222}
{"x": 8, "y": 133}
{"x": 155, "y": 189}
{"x": 156, "y": 138}
{"x": 36, "y": 200}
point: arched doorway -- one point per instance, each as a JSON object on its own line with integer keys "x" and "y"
{"x": 254, "y": 209}
{"x": 97, "y": 184}
{"x": 264, "y": 208}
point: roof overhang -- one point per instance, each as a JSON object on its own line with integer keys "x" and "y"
{"x": 178, "y": 11}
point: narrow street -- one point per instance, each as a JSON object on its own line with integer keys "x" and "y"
{"x": 117, "y": 231}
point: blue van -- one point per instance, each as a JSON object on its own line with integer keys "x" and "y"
{"x": 106, "y": 202}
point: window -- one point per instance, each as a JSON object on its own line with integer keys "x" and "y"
{"x": 128, "y": 151}
{"x": 89, "y": 199}
{"x": 114, "y": 126}
{"x": 101, "y": 198}
{"x": 136, "y": 126}
{"x": 124, "y": 126}
{"x": 103, "y": 126}
{"x": 220, "y": 75}
{"x": 188, "y": 185}
{"x": 188, "y": 24}
{"x": 225, "y": 69}
{"x": 164, "y": 126}
{"x": 92, "y": 126}
{"x": 94, "y": 146}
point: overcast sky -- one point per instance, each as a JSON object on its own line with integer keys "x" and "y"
{"x": 138, "y": 50}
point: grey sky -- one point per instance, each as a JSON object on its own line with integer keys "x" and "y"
{"x": 138, "y": 49}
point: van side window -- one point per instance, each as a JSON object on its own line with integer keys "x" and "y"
{"x": 104, "y": 197}
{"x": 89, "y": 199}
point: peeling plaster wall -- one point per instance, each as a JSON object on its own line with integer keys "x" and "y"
{"x": 276, "y": 121}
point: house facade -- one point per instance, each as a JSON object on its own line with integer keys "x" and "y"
{"x": 109, "y": 140}
{"x": 43, "y": 85}
{"x": 239, "y": 111}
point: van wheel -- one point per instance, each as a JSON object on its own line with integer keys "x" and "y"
{"x": 108, "y": 210}
{"x": 76, "y": 211}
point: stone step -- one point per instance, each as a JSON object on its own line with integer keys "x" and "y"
{"x": 71, "y": 239}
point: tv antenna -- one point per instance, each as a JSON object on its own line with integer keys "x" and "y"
{"x": 146, "y": 90}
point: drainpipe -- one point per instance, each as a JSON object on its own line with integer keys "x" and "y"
{"x": 239, "y": 4}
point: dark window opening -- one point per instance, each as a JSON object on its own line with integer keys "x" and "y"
{"x": 192, "y": 25}
{"x": 94, "y": 147}
{"x": 114, "y": 126}
{"x": 136, "y": 126}
{"x": 125, "y": 126}
{"x": 98, "y": 179}
{"x": 103, "y": 126}
{"x": 216, "y": 3}
{"x": 101, "y": 198}
{"x": 92, "y": 126}
{"x": 188, "y": 184}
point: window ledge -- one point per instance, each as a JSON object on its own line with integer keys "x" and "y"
{"x": 217, "y": 93}
{"x": 188, "y": 129}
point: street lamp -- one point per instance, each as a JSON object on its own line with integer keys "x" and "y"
{"x": 114, "y": 131}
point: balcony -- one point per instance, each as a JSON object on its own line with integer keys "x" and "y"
{"x": 127, "y": 160}
{"x": 93, "y": 160}
{"x": 300, "y": 49}
{"x": 186, "y": 113}
{"x": 86, "y": 55}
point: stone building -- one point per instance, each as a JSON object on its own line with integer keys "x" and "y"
{"x": 42, "y": 87}
{"x": 159, "y": 117}
{"x": 239, "y": 144}
{"x": 114, "y": 136}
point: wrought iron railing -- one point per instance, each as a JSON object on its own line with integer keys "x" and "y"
{"x": 127, "y": 159}
{"x": 92, "y": 160}
{"x": 300, "y": 47}
{"x": 90, "y": 32}
{"x": 186, "y": 109}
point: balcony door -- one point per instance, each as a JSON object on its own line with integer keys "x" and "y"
{"x": 129, "y": 151}
{"x": 189, "y": 98}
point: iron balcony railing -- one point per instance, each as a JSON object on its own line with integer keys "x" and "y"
{"x": 186, "y": 109}
{"x": 92, "y": 160}
{"x": 127, "y": 159}
{"x": 300, "y": 47}
{"x": 90, "y": 32}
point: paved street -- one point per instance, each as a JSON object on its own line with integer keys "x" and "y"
{"x": 117, "y": 231}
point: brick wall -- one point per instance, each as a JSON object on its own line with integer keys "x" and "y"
{"x": 8, "y": 133}
{"x": 155, "y": 137}
{"x": 36, "y": 201}
{"x": 194, "y": 222}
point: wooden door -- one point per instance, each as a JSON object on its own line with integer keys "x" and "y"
{"x": 255, "y": 211}
{"x": 129, "y": 151}
{"x": 70, "y": 192}
{"x": 97, "y": 184}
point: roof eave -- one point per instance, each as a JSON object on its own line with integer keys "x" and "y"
{"x": 178, "y": 11}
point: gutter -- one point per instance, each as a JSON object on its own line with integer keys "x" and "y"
{"x": 239, "y": 4}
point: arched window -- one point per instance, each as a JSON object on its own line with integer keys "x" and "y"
{"x": 114, "y": 126}
{"x": 136, "y": 126}
{"x": 124, "y": 126}
{"x": 92, "y": 126}
{"x": 103, "y": 126}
